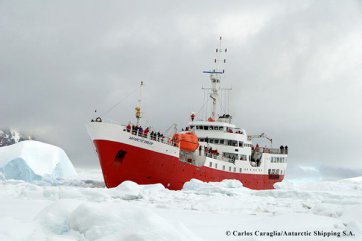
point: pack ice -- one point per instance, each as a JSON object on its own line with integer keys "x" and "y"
{"x": 33, "y": 161}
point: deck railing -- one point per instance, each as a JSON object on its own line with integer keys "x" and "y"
{"x": 162, "y": 139}
{"x": 168, "y": 141}
{"x": 272, "y": 150}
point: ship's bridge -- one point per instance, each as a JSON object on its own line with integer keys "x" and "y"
{"x": 229, "y": 141}
{"x": 216, "y": 129}
{"x": 212, "y": 123}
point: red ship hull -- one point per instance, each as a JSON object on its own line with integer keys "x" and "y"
{"x": 148, "y": 167}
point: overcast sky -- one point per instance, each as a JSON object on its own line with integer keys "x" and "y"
{"x": 295, "y": 68}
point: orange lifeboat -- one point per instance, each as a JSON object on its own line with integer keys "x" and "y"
{"x": 187, "y": 141}
{"x": 210, "y": 119}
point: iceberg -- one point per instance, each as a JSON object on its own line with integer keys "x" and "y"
{"x": 33, "y": 161}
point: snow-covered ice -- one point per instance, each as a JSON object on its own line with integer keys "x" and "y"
{"x": 82, "y": 209}
{"x": 33, "y": 161}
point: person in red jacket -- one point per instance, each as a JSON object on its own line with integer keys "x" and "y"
{"x": 128, "y": 127}
{"x": 145, "y": 132}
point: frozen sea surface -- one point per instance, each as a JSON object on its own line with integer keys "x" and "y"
{"x": 82, "y": 209}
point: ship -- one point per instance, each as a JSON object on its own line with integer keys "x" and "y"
{"x": 210, "y": 149}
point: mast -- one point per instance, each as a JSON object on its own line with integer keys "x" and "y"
{"x": 215, "y": 81}
{"x": 215, "y": 76}
{"x": 138, "y": 108}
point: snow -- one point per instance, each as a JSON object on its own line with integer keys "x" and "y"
{"x": 15, "y": 136}
{"x": 82, "y": 209}
{"x": 34, "y": 160}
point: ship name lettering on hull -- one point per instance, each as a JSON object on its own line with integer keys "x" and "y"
{"x": 141, "y": 140}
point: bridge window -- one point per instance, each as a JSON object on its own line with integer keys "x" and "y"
{"x": 223, "y": 167}
{"x": 232, "y": 143}
{"x": 210, "y": 164}
{"x": 240, "y": 170}
{"x": 216, "y": 165}
{"x": 206, "y": 128}
{"x": 234, "y": 169}
{"x": 229, "y": 169}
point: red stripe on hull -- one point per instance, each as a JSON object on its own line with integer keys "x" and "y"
{"x": 148, "y": 167}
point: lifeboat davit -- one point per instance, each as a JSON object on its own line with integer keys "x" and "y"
{"x": 186, "y": 141}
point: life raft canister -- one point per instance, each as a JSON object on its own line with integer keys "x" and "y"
{"x": 187, "y": 141}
